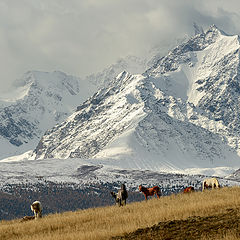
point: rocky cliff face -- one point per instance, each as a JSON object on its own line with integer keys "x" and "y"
{"x": 205, "y": 73}
{"x": 180, "y": 112}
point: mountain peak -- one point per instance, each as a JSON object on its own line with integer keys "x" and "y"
{"x": 214, "y": 30}
{"x": 181, "y": 112}
{"x": 213, "y": 27}
{"x": 122, "y": 75}
{"x": 152, "y": 120}
{"x": 40, "y": 101}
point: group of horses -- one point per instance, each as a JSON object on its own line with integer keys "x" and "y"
{"x": 208, "y": 183}
{"x": 122, "y": 195}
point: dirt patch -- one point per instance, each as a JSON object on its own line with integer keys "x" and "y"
{"x": 192, "y": 228}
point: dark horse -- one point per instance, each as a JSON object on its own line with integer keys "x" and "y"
{"x": 121, "y": 196}
{"x": 150, "y": 191}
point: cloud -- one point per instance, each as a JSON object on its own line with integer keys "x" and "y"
{"x": 81, "y": 37}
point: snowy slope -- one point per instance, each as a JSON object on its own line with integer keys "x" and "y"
{"x": 179, "y": 115}
{"x": 39, "y": 101}
{"x": 96, "y": 122}
{"x": 49, "y": 84}
{"x": 80, "y": 173}
{"x": 131, "y": 64}
{"x": 166, "y": 118}
{"x": 206, "y": 75}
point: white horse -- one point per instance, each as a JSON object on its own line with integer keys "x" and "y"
{"x": 36, "y": 207}
{"x": 210, "y": 183}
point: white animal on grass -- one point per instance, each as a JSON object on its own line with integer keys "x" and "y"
{"x": 210, "y": 183}
{"x": 36, "y": 207}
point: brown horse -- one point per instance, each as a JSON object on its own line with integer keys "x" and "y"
{"x": 188, "y": 190}
{"x": 121, "y": 196}
{"x": 150, "y": 191}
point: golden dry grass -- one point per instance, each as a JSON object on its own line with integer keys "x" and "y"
{"x": 229, "y": 235}
{"x": 106, "y": 222}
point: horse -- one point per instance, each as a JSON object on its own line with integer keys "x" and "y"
{"x": 188, "y": 190}
{"x": 150, "y": 191}
{"x": 121, "y": 196}
{"x": 210, "y": 183}
{"x": 36, "y": 207}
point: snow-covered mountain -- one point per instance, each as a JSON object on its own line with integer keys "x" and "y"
{"x": 235, "y": 176}
{"x": 42, "y": 90}
{"x": 131, "y": 64}
{"x": 205, "y": 73}
{"x": 39, "y": 101}
{"x": 181, "y": 113}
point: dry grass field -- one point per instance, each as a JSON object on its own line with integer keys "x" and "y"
{"x": 213, "y": 214}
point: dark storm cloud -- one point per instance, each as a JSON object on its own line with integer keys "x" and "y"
{"x": 81, "y": 37}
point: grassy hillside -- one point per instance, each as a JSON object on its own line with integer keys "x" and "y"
{"x": 212, "y": 214}
{"x": 58, "y": 197}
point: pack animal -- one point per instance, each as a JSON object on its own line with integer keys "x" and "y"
{"x": 188, "y": 190}
{"x": 150, "y": 191}
{"x": 121, "y": 196}
{"x": 210, "y": 183}
{"x": 36, "y": 207}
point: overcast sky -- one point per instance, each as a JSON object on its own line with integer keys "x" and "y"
{"x": 83, "y": 36}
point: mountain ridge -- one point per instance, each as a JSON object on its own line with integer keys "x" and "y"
{"x": 175, "y": 115}
{"x": 40, "y": 101}
{"x": 113, "y": 116}
{"x": 86, "y": 86}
